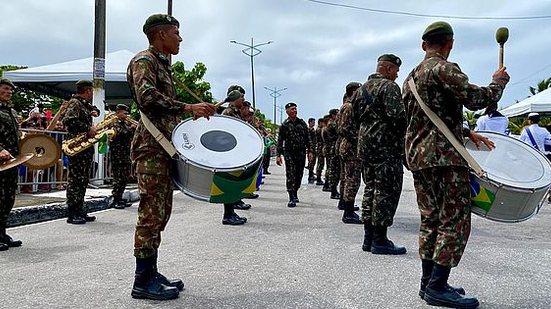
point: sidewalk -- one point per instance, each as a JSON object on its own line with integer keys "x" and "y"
{"x": 38, "y": 207}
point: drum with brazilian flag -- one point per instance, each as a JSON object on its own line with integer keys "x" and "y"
{"x": 230, "y": 187}
{"x": 480, "y": 196}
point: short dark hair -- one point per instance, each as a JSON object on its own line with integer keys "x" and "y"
{"x": 152, "y": 33}
{"x": 82, "y": 88}
{"x": 438, "y": 39}
{"x": 311, "y": 119}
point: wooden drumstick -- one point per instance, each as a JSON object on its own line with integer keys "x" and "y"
{"x": 502, "y": 35}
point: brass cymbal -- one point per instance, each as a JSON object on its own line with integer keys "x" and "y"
{"x": 22, "y": 158}
{"x": 46, "y": 149}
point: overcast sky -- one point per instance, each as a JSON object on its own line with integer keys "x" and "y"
{"x": 317, "y": 48}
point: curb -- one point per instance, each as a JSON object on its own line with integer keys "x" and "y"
{"x": 41, "y": 213}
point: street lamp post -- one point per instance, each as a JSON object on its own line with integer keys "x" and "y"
{"x": 251, "y": 51}
{"x": 275, "y": 93}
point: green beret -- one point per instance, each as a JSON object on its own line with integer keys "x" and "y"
{"x": 391, "y": 58}
{"x": 8, "y": 82}
{"x": 290, "y": 104}
{"x": 157, "y": 20}
{"x": 233, "y": 95}
{"x": 333, "y": 111}
{"x": 353, "y": 85}
{"x": 235, "y": 87}
{"x": 123, "y": 107}
{"x": 84, "y": 83}
{"x": 437, "y": 28}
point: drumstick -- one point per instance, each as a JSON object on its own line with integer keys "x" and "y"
{"x": 181, "y": 84}
{"x": 502, "y": 35}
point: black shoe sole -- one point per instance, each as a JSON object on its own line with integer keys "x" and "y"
{"x": 4, "y": 248}
{"x": 387, "y": 252}
{"x": 143, "y": 295}
{"x": 367, "y": 249}
{"x": 351, "y": 221}
{"x": 439, "y": 302}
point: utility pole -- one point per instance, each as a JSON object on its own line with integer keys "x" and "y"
{"x": 169, "y": 12}
{"x": 99, "y": 70}
{"x": 280, "y": 108}
{"x": 251, "y": 51}
{"x": 275, "y": 93}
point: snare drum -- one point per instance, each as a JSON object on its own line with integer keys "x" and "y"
{"x": 218, "y": 158}
{"x": 518, "y": 179}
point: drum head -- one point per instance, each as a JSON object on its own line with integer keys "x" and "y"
{"x": 221, "y": 143}
{"x": 513, "y": 162}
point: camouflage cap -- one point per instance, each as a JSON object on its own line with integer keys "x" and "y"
{"x": 123, "y": 107}
{"x": 333, "y": 111}
{"x": 235, "y": 87}
{"x": 84, "y": 83}
{"x": 290, "y": 104}
{"x": 353, "y": 85}
{"x": 157, "y": 20}
{"x": 391, "y": 58}
{"x": 437, "y": 28}
{"x": 5, "y": 81}
{"x": 233, "y": 95}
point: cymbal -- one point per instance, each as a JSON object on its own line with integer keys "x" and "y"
{"x": 46, "y": 149}
{"x": 22, "y": 158}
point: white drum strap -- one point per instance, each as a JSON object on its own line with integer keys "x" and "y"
{"x": 163, "y": 141}
{"x": 446, "y": 131}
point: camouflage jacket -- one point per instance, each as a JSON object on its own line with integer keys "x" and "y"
{"x": 78, "y": 118}
{"x": 446, "y": 90}
{"x": 119, "y": 146}
{"x": 382, "y": 119}
{"x": 329, "y": 135}
{"x": 9, "y": 130}
{"x": 348, "y": 130}
{"x": 293, "y": 136}
{"x": 149, "y": 76}
{"x": 233, "y": 111}
{"x": 313, "y": 139}
{"x": 319, "y": 142}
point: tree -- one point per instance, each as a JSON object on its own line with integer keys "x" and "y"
{"x": 541, "y": 86}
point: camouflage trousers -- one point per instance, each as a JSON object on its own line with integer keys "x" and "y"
{"x": 294, "y": 169}
{"x": 77, "y": 180}
{"x": 266, "y": 160}
{"x": 443, "y": 197}
{"x": 8, "y": 187}
{"x": 156, "y": 191}
{"x": 121, "y": 172}
{"x": 350, "y": 178}
{"x": 320, "y": 165}
{"x": 383, "y": 186}
{"x": 333, "y": 169}
{"x": 312, "y": 163}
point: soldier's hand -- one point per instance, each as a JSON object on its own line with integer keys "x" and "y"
{"x": 279, "y": 161}
{"x": 92, "y": 131}
{"x": 203, "y": 110}
{"x": 5, "y": 155}
{"x": 310, "y": 156}
{"x": 479, "y": 138}
{"x": 501, "y": 76}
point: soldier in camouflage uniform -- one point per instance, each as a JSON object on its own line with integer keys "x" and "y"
{"x": 77, "y": 120}
{"x": 293, "y": 143}
{"x": 319, "y": 152}
{"x": 150, "y": 79}
{"x": 9, "y": 147}
{"x": 350, "y": 180}
{"x": 312, "y": 152}
{"x": 236, "y": 97}
{"x": 330, "y": 135}
{"x": 119, "y": 151}
{"x": 441, "y": 175}
{"x": 380, "y": 147}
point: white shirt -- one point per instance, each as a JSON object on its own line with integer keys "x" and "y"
{"x": 497, "y": 124}
{"x": 541, "y": 136}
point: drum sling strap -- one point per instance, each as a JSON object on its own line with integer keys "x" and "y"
{"x": 446, "y": 131}
{"x": 531, "y": 137}
{"x": 163, "y": 141}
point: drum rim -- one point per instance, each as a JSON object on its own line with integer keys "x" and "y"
{"x": 224, "y": 169}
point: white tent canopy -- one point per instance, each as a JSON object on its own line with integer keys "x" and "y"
{"x": 59, "y": 79}
{"x": 538, "y": 103}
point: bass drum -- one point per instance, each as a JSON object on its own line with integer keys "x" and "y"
{"x": 206, "y": 148}
{"x": 517, "y": 182}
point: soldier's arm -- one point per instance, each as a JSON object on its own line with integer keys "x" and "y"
{"x": 280, "y": 138}
{"x": 394, "y": 106}
{"x": 349, "y": 129}
{"x": 149, "y": 98}
{"x": 72, "y": 120}
{"x": 469, "y": 95}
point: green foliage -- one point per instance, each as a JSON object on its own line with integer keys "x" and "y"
{"x": 470, "y": 118}
{"x": 541, "y": 86}
{"x": 266, "y": 122}
{"x": 516, "y": 124}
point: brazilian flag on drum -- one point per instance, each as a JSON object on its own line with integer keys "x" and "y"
{"x": 230, "y": 187}
{"x": 480, "y": 196}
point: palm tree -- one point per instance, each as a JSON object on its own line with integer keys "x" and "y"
{"x": 542, "y": 85}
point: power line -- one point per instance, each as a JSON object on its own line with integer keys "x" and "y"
{"x": 430, "y": 15}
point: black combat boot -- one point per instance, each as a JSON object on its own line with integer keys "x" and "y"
{"x": 3, "y": 246}
{"x": 335, "y": 194}
{"x": 340, "y": 205}
{"x": 86, "y": 217}
{"x": 438, "y": 292}
{"x": 427, "y": 266}
{"x": 325, "y": 187}
{"x": 382, "y": 245}
{"x": 230, "y": 217}
{"x": 7, "y": 240}
{"x": 295, "y": 197}
{"x": 292, "y": 202}
{"x": 75, "y": 218}
{"x": 241, "y": 205}
{"x": 349, "y": 216}
{"x": 311, "y": 177}
{"x": 319, "y": 182}
{"x": 117, "y": 204}
{"x": 368, "y": 236}
{"x": 147, "y": 284}
{"x": 175, "y": 283}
